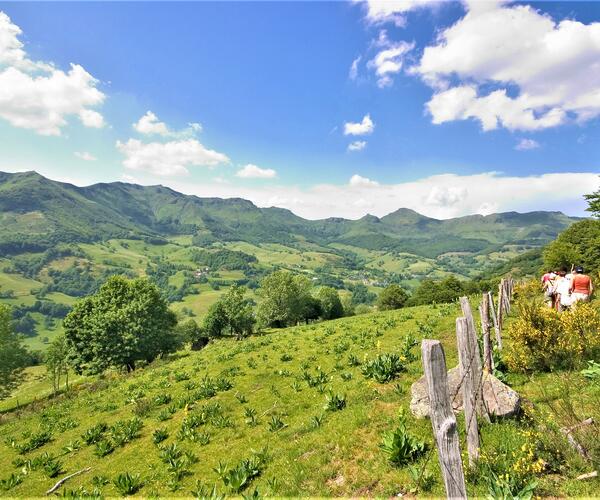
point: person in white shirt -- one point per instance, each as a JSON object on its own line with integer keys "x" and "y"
{"x": 562, "y": 288}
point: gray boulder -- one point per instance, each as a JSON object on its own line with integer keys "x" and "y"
{"x": 500, "y": 399}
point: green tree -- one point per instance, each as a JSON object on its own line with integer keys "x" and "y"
{"x": 392, "y": 297}
{"x": 13, "y": 356}
{"x": 284, "y": 296}
{"x": 231, "y": 315}
{"x": 362, "y": 295}
{"x": 189, "y": 331}
{"x": 579, "y": 244}
{"x": 594, "y": 203}
{"x": 125, "y": 321}
{"x": 331, "y": 305}
{"x": 57, "y": 362}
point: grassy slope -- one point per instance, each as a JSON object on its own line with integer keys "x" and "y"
{"x": 341, "y": 457}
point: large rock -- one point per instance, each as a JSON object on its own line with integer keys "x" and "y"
{"x": 500, "y": 399}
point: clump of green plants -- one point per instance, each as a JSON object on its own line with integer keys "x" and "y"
{"x": 94, "y": 434}
{"x": 276, "y": 424}
{"x": 400, "y": 446}
{"x": 203, "y": 491}
{"x": 239, "y": 477}
{"x": 353, "y": 360}
{"x": 285, "y": 357}
{"x": 11, "y": 481}
{"x": 35, "y": 441}
{"x": 250, "y": 417}
{"x": 159, "y": 435}
{"x": 103, "y": 447}
{"x": 384, "y": 368}
{"x": 128, "y": 484}
{"x": 52, "y": 467}
{"x": 423, "y": 481}
{"x": 317, "y": 421}
{"x": 125, "y": 431}
{"x": 592, "y": 372}
{"x": 335, "y": 402}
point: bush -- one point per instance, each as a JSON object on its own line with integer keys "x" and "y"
{"x": 543, "y": 339}
{"x": 383, "y": 368}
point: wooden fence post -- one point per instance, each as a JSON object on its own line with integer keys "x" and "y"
{"x": 475, "y": 357}
{"x": 443, "y": 419}
{"x": 484, "y": 314}
{"x": 500, "y": 314}
{"x": 469, "y": 388}
{"x": 497, "y": 330}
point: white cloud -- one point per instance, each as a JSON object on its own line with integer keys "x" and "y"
{"x": 357, "y": 180}
{"x": 85, "y": 156}
{"x": 251, "y": 171}
{"x": 149, "y": 124}
{"x": 394, "y": 11}
{"x": 542, "y": 73}
{"x": 357, "y": 145}
{"x": 439, "y": 196}
{"x": 390, "y": 60}
{"x": 169, "y": 158}
{"x": 364, "y": 127}
{"x": 38, "y": 96}
{"x": 526, "y": 144}
{"x": 353, "y": 73}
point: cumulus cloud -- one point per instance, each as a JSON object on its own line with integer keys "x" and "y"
{"x": 251, "y": 171}
{"x": 170, "y": 158}
{"x": 513, "y": 66}
{"x": 357, "y": 145}
{"x": 526, "y": 144}
{"x": 85, "y": 156}
{"x": 357, "y": 180}
{"x": 439, "y": 196}
{"x": 364, "y": 127}
{"x": 390, "y": 59}
{"x": 149, "y": 124}
{"x": 38, "y": 96}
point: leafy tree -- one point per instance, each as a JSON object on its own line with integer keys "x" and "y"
{"x": 362, "y": 295}
{"x": 124, "y": 322}
{"x": 579, "y": 244}
{"x": 189, "y": 331}
{"x": 392, "y": 297}
{"x": 13, "y": 356}
{"x": 311, "y": 309}
{"x": 331, "y": 305}
{"x": 594, "y": 203}
{"x": 429, "y": 291}
{"x": 231, "y": 314}
{"x": 57, "y": 362}
{"x": 284, "y": 296}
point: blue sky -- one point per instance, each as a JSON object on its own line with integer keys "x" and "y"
{"x": 440, "y": 126}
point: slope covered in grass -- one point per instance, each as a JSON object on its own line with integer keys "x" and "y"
{"x": 264, "y": 396}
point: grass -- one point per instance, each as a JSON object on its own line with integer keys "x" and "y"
{"x": 275, "y": 391}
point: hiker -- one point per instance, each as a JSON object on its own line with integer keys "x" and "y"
{"x": 548, "y": 287}
{"x": 562, "y": 288}
{"x": 581, "y": 286}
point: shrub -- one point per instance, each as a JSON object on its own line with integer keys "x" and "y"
{"x": 127, "y": 484}
{"x": 383, "y": 368}
{"x": 400, "y": 446}
{"x": 543, "y": 339}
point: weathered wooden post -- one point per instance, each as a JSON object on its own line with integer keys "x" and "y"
{"x": 497, "y": 330}
{"x": 500, "y": 314}
{"x": 469, "y": 388}
{"x": 475, "y": 357}
{"x": 484, "y": 314}
{"x": 443, "y": 420}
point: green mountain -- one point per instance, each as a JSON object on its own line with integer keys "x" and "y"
{"x": 38, "y": 213}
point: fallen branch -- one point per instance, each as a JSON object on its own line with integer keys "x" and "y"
{"x": 267, "y": 411}
{"x": 65, "y": 479}
{"x": 589, "y": 475}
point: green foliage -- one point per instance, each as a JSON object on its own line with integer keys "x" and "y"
{"x": 223, "y": 259}
{"x": 384, "y": 368}
{"x": 335, "y": 402}
{"x": 577, "y": 245}
{"x": 284, "y": 296}
{"x": 35, "y": 441}
{"x": 331, "y": 306}
{"x": 57, "y": 362}
{"x": 94, "y": 434}
{"x": 103, "y": 447}
{"x": 123, "y": 323}
{"x": 276, "y": 424}
{"x": 392, "y": 297}
{"x": 400, "y": 446}
{"x": 239, "y": 477}
{"x": 11, "y": 481}
{"x": 128, "y": 484}
{"x": 592, "y": 372}
{"x": 447, "y": 290}
{"x": 230, "y": 315}
{"x": 52, "y": 467}
{"x": 13, "y": 356}
{"x": 594, "y": 203}
{"x": 159, "y": 435}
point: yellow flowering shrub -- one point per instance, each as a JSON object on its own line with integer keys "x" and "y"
{"x": 542, "y": 339}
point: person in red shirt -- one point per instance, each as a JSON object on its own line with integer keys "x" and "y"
{"x": 581, "y": 286}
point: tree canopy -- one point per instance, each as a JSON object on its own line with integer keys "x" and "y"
{"x": 331, "y": 305}
{"x": 392, "y": 297}
{"x": 284, "y": 296}
{"x": 13, "y": 355}
{"x": 124, "y": 322}
{"x": 231, "y": 314}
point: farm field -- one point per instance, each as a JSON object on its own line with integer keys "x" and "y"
{"x": 265, "y": 397}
